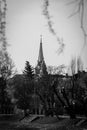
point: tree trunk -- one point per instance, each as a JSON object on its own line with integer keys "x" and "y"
{"x": 70, "y": 110}
{"x": 26, "y": 113}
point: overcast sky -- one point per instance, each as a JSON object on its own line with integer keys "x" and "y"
{"x": 25, "y": 24}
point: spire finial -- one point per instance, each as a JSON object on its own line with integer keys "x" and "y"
{"x": 40, "y": 38}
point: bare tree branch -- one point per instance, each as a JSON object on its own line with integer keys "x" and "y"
{"x": 82, "y": 22}
{"x": 72, "y": 2}
{"x": 81, "y": 12}
{"x": 50, "y": 26}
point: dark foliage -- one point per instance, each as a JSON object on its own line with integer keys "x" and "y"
{"x": 5, "y": 101}
{"x": 28, "y": 71}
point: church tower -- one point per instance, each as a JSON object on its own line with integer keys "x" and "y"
{"x": 41, "y": 66}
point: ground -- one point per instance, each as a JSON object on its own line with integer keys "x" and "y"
{"x": 42, "y": 123}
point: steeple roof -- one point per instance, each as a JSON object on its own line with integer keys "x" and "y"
{"x": 41, "y": 66}
{"x": 40, "y": 57}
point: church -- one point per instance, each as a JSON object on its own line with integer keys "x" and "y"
{"x": 41, "y": 68}
{"x": 40, "y": 72}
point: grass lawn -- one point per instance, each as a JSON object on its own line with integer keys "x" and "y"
{"x": 52, "y": 123}
{"x": 43, "y": 123}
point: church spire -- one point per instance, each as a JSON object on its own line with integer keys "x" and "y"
{"x": 40, "y": 57}
{"x": 41, "y": 66}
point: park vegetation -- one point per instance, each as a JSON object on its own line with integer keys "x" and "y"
{"x": 56, "y": 92}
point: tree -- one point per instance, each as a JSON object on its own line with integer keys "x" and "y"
{"x": 51, "y": 28}
{"x": 6, "y": 70}
{"x": 52, "y": 92}
{"x": 63, "y": 88}
{"x": 46, "y": 94}
{"x": 81, "y": 11}
{"x": 28, "y": 71}
{"x": 45, "y": 90}
{"x": 21, "y": 92}
{"x": 72, "y": 91}
{"x": 6, "y": 64}
{"x": 69, "y": 91}
{"x": 23, "y": 88}
{"x": 74, "y": 79}
{"x": 79, "y": 64}
{"x": 23, "y": 95}
{"x": 56, "y": 69}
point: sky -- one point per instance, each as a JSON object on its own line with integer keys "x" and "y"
{"x": 25, "y": 24}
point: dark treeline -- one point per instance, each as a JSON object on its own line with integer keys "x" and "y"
{"x": 49, "y": 94}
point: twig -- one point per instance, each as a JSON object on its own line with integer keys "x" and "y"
{"x": 72, "y": 2}
{"x": 80, "y": 11}
{"x": 82, "y": 21}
